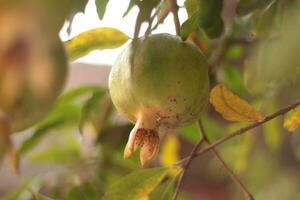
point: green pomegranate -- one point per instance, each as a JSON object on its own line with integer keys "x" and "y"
{"x": 33, "y": 67}
{"x": 158, "y": 83}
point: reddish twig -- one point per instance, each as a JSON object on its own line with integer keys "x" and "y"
{"x": 211, "y": 146}
{"x": 249, "y": 127}
{"x": 174, "y": 9}
{"x": 234, "y": 177}
{"x": 185, "y": 167}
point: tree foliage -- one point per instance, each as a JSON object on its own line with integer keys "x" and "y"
{"x": 251, "y": 47}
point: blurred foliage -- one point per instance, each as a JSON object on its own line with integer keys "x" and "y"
{"x": 207, "y": 16}
{"x": 252, "y": 47}
{"x": 131, "y": 188}
{"x": 292, "y": 120}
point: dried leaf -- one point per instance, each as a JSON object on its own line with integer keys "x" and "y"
{"x": 292, "y": 120}
{"x": 232, "y": 107}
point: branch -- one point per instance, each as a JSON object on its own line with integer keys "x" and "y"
{"x": 150, "y": 29}
{"x": 185, "y": 167}
{"x": 249, "y": 127}
{"x": 225, "y": 166}
{"x": 174, "y": 9}
{"x": 187, "y": 161}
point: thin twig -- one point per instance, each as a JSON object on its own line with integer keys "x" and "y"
{"x": 249, "y": 127}
{"x": 187, "y": 161}
{"x": 185, "y": 167}
{"x": 242, "y": 131}
{"x": 155, "y": 26}
{"x": 149, "y": 29}
{"x": 234, "y": 177}
{"x": 174, "y": 9}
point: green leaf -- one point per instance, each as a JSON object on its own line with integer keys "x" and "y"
{"x": 95, "y": 39}
{"x": 92, "y": 107}
{"x": 190, "y": 132}
{"x": 101, "y": 7}
{"x": 272, "y": 134}
{"x": 164, "y": 191}
{"x": 137, "y": 184}
{"x": 38, "y": 196}
{"x": 245, "y": 7}
{"x": 62, "y": 150}
{"x": 130, "y": 6}
{"x": 230, "y": 75}
{"x": 234, "y": 52}
{"x": 214, "y": 129}
{"x": 74, "y": 93}
{"x": 216, "y": 29}
{"x": 208, "y": 17}
{"x": 15, "y": 193}
{"x": 268, "y": 21}
{"x": 146, "y": 8}
{"x": 61, "y": 116}
{"x": 191, "y": 6}
{"x": 85, "y": 191}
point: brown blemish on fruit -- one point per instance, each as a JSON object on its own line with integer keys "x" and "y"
{"x": 173, "y": 99}
{"x": 177, "y": 117}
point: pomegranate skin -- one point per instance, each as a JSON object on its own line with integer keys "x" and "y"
{"x": 168, "y": 81}
{"x": 159, "y": 83}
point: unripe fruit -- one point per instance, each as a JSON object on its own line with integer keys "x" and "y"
{"x": 158, "y": 83}
{"x": 33, "y": 67}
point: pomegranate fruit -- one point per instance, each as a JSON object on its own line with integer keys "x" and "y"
{"x": 33, "y": 67}
{"x": 158, "y": 83}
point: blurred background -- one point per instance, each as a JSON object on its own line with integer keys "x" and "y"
{"x": 256, "y": 56}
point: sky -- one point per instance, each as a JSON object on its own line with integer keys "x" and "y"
{"x": 113, "y": 18}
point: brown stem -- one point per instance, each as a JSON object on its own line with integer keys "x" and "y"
{"x": 185, "y": 167}
{"x": 234, "y": 177}
{"x": 211, "y": 146}
{"x": 154, "y": 27}
{"x": 249, "y": 127}
{"x": 174, "y": 9}
{"x": 150, "y": 29}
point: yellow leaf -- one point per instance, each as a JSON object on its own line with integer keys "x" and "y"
{"x": 95, "y": 39}
{"x": 232, "y": 107}
{"x": 292, "y": 119}
{"x": 170, "y": 150}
